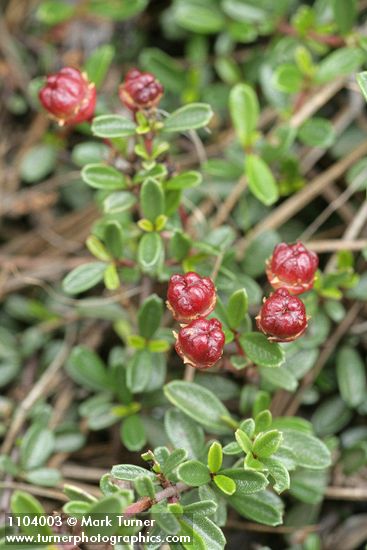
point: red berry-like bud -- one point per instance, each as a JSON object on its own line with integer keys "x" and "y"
{"x": 200, "y": 344}
{"x": 140, "y": 90}
{"x": 69, "y": 96}
{"x": 190, "y": 296}
{"x": 282, "y": 317}
{"x": 292, "y": 266}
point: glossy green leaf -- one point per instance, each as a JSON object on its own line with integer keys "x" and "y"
{"x": 267, "y": 443}
{"x": 98, "y": 64}
{"x": 84, "y": 277}
{"x": 263, "y": 507}
{"x": 101, "y": 176}
{"x": 198, "y": 403}
{"x": 133, "y": 433}
{"x": 194, "y": 473}
{"x": 150, "y": 315}
{"x": 215, "y": 457}
{"x": 150, "y": 252}
{"x": 261, "y": 180}
{"x": 152, "y": 199}
{"x": 237, "y": 307}
{"x": 351, "y": 375}
{"x": 185, "y": 180}
{"x": 244, "y": 109}
{"x": 309, "y": 451}
{"x": 341, "y": 62}
{"x": 225, "y": 484}
{"x": 21, "y": 504}
{"x": 243, "y": 441}
{"x": 189, "y": 117}
{"x": 317, "y": 132}
{"x": 37, "y": 163}
{"x": 139, "y": 370}
{"x": 345, "y": 14}
{"x": 184, "y": 432}
{"x": 198, "y": 17}
{"x": 119, "y": 201}
{"x": 86, "y": 368}
{"x": 261, "y": 351}
{"x": 36, "y": 447}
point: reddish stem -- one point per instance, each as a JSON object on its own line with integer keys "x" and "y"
{"x": 328, "y": 39}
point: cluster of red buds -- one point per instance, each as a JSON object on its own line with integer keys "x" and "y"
{"x": 191, "y": 299}
{"x": 291, "y": 271}
{"x": 70, "y": 98}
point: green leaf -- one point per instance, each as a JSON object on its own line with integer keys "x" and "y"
{"x": 118, "y": 10}
{"x": 53, "y": 12}
{"x": 225, "y": 484}
{"x": 144, "y": 486}
{"x": 98, "y": 63}
{"x": 185, "y": 180}
{"x": 317, "y": 132}
{"x": 133, "y": 433}
{"x": 261, "y": 180}
{"x": 184, "y": 432}
{"x": 243, "y": 441}
{"x": 119, "y": 202}
{"x": 113, "y": 238}
{"x": 288, "y": 78}
{"x": 152, "y": 199}
{"x": 150, "y": 316}
{"x": 215, "y": 457}
{"x": 46, "y": 477}
{"x": 198, "y": 17}
{"x": 266, "y": 444}
{"x": 139, "y": 370}
{"x": 97, "y": 248}
{"x": 24, "y": 504}
{"x": 175, "y": 458}
{"x": 362, "y": 82}
{"x": 247, "y": 482}
{"x": 261, "y": 351}
{"x": 207, "y": 530}
{"x": 198, "y": 403}
{"x": 111, "y": 278}
{"x": 237, "y": 308}
{"x": 86, "y": 368}
{"x": 84, "y": 277}
{"x": 129, "y": 472}
{"x": 279, "y": 378}
{"x": 110, "y": 506}
{"x": 309, "y": 451}
{"x": 244, "y": 110}
{"x": 37, "y": 445}
{"x": 279, "y": 473}
{"x": 165, "y": 519}
{"x": 150, "y": 252}
{"x": 101, "y": 176}
{"x": 189, "y": 117}
{"x": 351, "y": 376}
{"x": 194, "y": 473}
{"x": 37, "y": 163}
{"x": 263, "y": 421}
{"x": 308, "y": 485}
{"x": 331, "y": 416}
{"x": 203, "y": 508}
{"x": 179, "y": 246}
{"x": 88, "y": 152}
{"x": 263, "y": 507}
{"x": 345, "y": 14}
{"x": 341, "y": 62}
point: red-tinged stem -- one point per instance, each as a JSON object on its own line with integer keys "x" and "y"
{"x": 183, "y": 215}
{"x": 330, "y": 40}
{"x": 142, "y": 505}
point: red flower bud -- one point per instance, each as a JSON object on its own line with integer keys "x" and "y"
{"x": 282, "y": 317}
{"x": 68, "y": 96}
{"x": 190, "y": 296}
{"x": 292, "y": 266}
{"x": 200, "y": 343}
{"x": 140, "y": 90}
